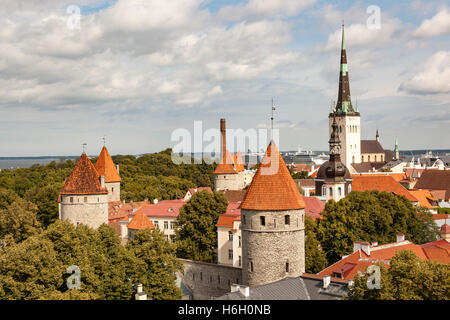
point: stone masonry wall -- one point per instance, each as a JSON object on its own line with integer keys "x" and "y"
{"x": 93, "y": 212}
{"x": 113, "y": 191}
{"x": 267, "y": 248}
{"x": 207, "y": 280}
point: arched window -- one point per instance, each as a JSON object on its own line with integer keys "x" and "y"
{"x": 368, "y": 158}
{"x": 375, "y": 158}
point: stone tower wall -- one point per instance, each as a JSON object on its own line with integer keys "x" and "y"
{"x": 91, "y": 210}
{"x": 268, "y": 248}
{"x": 232, "y": 181}
{"x": 113, "y": 191}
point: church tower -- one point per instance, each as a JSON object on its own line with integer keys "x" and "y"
{"x": 84, "y": 197}
{"x": 105, "y": 167}
{"x": 396, "y": 151}
{"x": 333, "y": 179}
{"x": 272, "y": 223}
{"x": 347, "y": 118}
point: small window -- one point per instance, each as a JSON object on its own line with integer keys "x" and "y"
{"x": 239, "y": 242}
{"x": 112, "y": 190}
{"x": 155, "y": 223}
{"x": 230, "y": 254}
{"x": 251, "y": 266}
{"x": 243, "y": 219}
{"x": 263, "y": 220}
{"x": 324, "y": 190}
{"x": 166, "y": 224}
{"x": 172, "y": 224}
{"x": 230, "y": 236}
{"x": 287, "y": 266}
{"x": 240, "y": 261}
{"x": 201, "y": 275}
{"x": 340, "y": 191}
{"x": 331, "y": 192}
{"x": 287, "y": 219}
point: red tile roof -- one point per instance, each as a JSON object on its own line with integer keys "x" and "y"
{"x": 234, "y": 195}
{"x": 165, "y": 208}
{"x": 105, "y": 167}
{"x": 226, "y": 165}
{"x": 314, "y": 207}
{"x": 440, "y": 216}
{"x": 380, "y": 183}
{"x": 84, "y": 179}
{"x": 240, "y": 162}
{"x": 232, "y": 214}
{"x": 435, "y": 180}
{"x": 425, "y": 198}
{"x": 396, "y": 175}
{"x": 118, "y": 210}
{"x": 272, "y": 187}
{"x": 359, "y": 261}
{"x": 140, "y": 222}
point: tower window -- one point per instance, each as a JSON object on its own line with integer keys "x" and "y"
{"x": 240, "y": 261}
{"x": 243, "y": 219}
{"x": 239, "y": 242}
{"x": 230, "y": 236}
{"x": 251, "y": 266}
{"x": 287, "y": 219}
{"x": 263, "y": 220}
{"x": 112, "y": 189}
{"x": 230, "y": 254}
{"x": 287, "y": 266}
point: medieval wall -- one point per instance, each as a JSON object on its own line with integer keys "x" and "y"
{"x": 267, "y": 248}
{"x": 91, "y": 210}
{"x": 233, "y": 181}
{"x": 207, "y": 280}
{"x": 113, "y": 191}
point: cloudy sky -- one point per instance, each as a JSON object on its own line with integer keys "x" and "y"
{"x": 136, "y": 70}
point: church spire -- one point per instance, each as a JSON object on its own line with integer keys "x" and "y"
{"x": 344, "y": 103}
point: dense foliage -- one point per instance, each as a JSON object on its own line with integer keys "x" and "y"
{"x": 196, "y": 232}
{"x": 34, "y": 262}
{"x": 152, "y": 176}
{"x": 371, "y": 216}
{"x": 315, "y": 258}
{"x": 408, "y": 278}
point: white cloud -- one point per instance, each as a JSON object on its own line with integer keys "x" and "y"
{"x": 433, "y": 79}
{"x": 436, "y": 26}
{"x": 261, "y": 9}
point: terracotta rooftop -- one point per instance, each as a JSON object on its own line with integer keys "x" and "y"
{"x": 105, "y": 167}
{"x": 226, "y": 165}
{"x": 272, "y": 187}
{"x": 232, "y": 214}
{"x": 84, "y": 179}
{"x": 314, "y": 207}
{"x": 380, "y": 183}
{"x": 140, "y": 222}
{"x": 240, "y": 162}
{"x": 359, "y": 260}
{"x": 118, "y": 209}
{"x": 396, "y": 175}
{"x": 235, "y": 195}
{"x": 435, "y": 180}
{"x": 425, "y": 198}
{"x": 165, "y": 208}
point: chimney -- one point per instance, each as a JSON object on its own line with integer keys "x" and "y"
{"x": 400, "y": 237}
{"x": 223, "y": 133}
{"x": 326, "y": 281}
{"x": 364, "y": 246}
{"x": 140, "y": 294}
{"x": 117, "y": 167}
{"x": 102, "y": 181}
{"x": 374, "y": 244}
{"x": 245, "y": 291}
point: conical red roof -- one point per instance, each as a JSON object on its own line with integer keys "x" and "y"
{"x": 105, "y": 167}
{"x": 140, "y": 222}
{"x": 84, "y": 179}
{"x": 240, "y": 162}
{"x": 226, "y": 165}
{"x": 272, "y": 187}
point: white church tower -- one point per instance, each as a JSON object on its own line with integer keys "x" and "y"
{"x": 347, "y": 118}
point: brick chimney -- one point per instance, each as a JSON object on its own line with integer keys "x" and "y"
{"x": 364, "y": 246}
{"x": 400, "y": 237}
{"x": 223, "y": 133}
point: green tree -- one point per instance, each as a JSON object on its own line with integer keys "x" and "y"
{"x": 157, "y": 265}
{"x": 7, "y": 197}
{"x": 408, "y": 278}
{"x": 19, "y": 221}
{"x": 46, "y": 199}
{"x": 196, "y": 231}
{"x": 371, "y": 216}
{"x": 315, "y": 258}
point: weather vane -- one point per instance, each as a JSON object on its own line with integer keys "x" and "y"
{"x": 84, "y": 147}
{"x": 104, "y": 141}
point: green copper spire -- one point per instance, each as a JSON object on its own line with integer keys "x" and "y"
{"x": 343, "y": 38}
{"x": 396, "y": 145}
